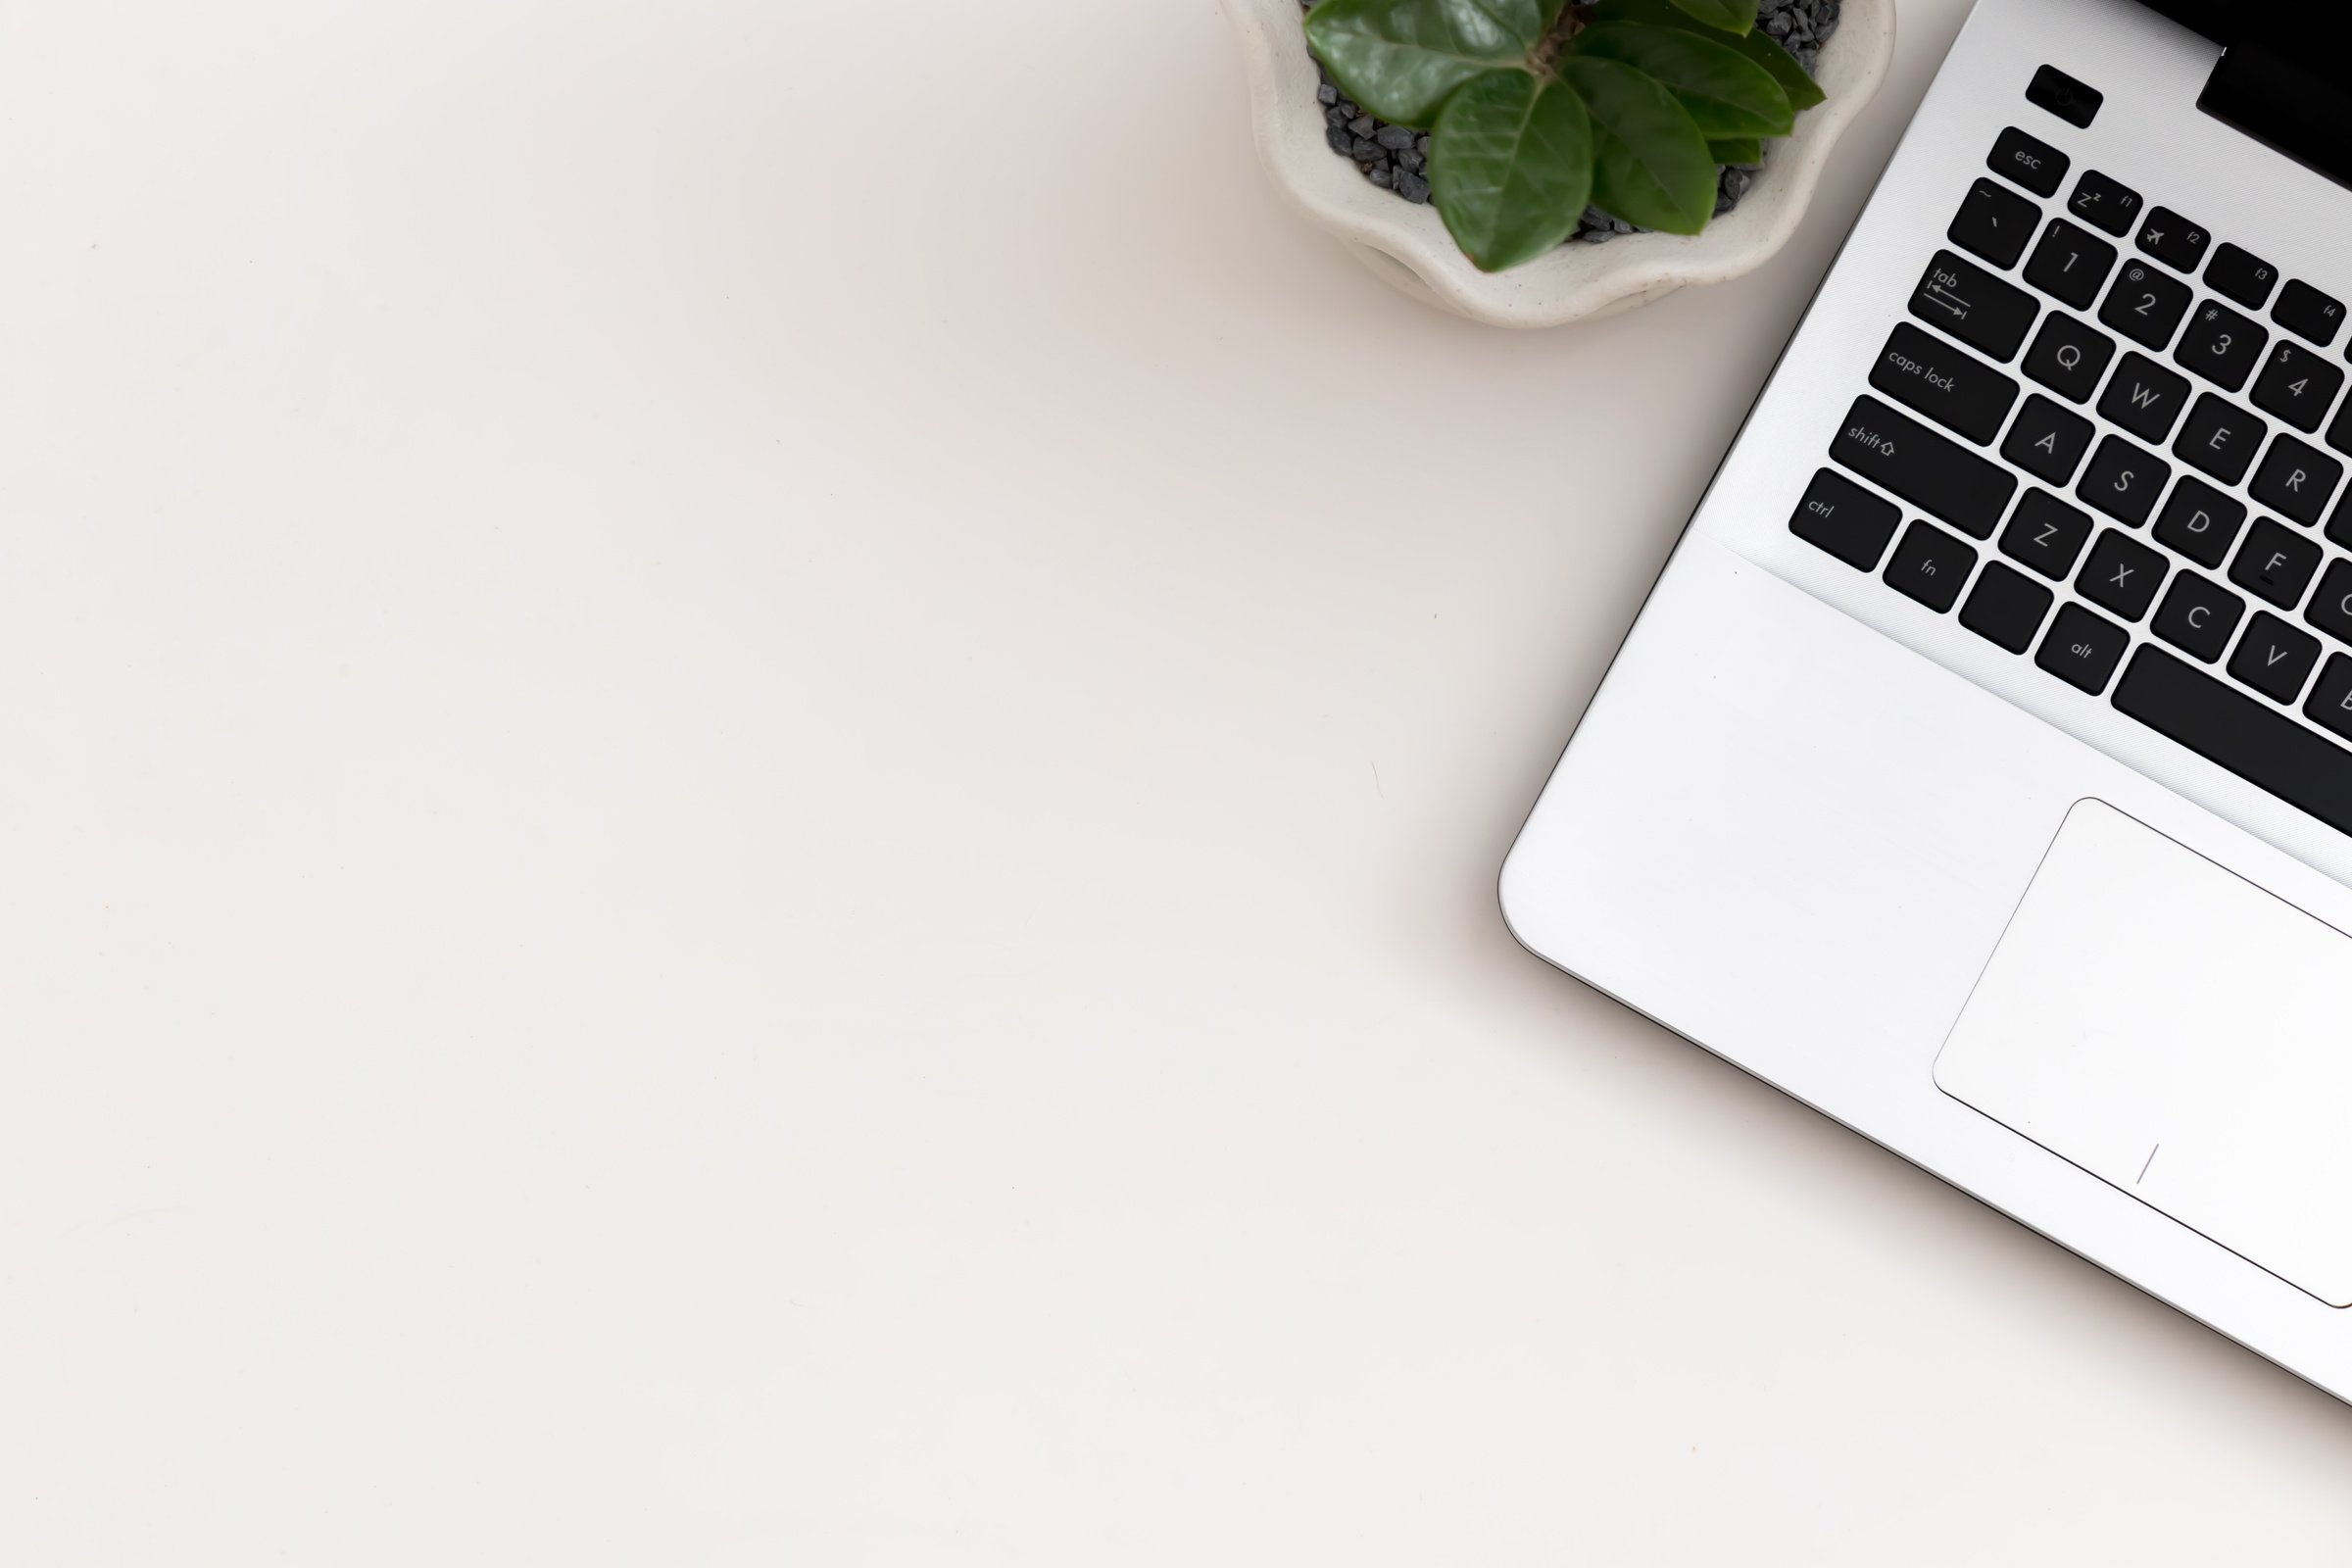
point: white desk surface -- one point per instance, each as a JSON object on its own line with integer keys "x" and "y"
{"x": 751, "y": 762}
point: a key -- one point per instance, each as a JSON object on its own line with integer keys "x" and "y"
{"x": 2047, "y": 441}
{"x": 2331, "y": 609}
{"x": 2197, "y": 616}
{"x": 1842, "y": 518}
{"x": 2276, "y": 563}
{"x": 2121, "y": 576}
{"x": 2218, "y": 437}
{"x": 2307, "y": 313}
{"x": 1995, "y": 222}
{"x": 2199, "y": 521}
{"x": 2173, "y": 239}
{"x": 2232, "y": 730}
{"x": 2239, "y": 275}
{"x": 2068, "y": 357}
{"x": 2275, "y": 659}
{"x": 1931, "y": 566}
{"x": 2330, "y": 703}
{"x": 2006, "y": 607}
{"x": 2082, "y": 648}
{"x": 2104, "y": 202}
{"x": 2046, "y": 534}
{"x": 1955, "y": 389}
{"x": 2032, "y": 163}
{"x": 2123, "y": 481}
{"x": 2144, "y": 398}
{"x": 2070, "y": 263}
{"x": 2297, "y": 385}
{"x": 1974, "y": 305}
{"x": 2221, "y": 345}
{"x": 2295, "y": 480}
{"x": 2146, "y": 306}
{"x": 1931, "y": 471}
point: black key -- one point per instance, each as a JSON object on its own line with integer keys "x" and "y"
{"x": 2339, "y": 432}
{"x": 1961, "y": 298}
{"x": 2047, "y": 441}
{"x": 2232, "y": 730}
{"x": 2330, "y": 700}
{"x": 2331, "y": 609}
{"x": 2006, "y": 607}
{"x": 2144, "y": 398}
{"x": 2082, "y": 648}
{"x": 2219, "y": 439}
{"x": 2197, "y": 616}
{"x": 1931, "y": 566}
{"x": 2173, "y": 239}
{"x": 2122, "y": 574}
{"x": 2295, "y": 480}
{"x": 2068, "y": 357}
{"x": 2275, "y": 659}
{"x": 2221, "y": 345}
{"x": 2062, "y": 95}
{"x": 2070, "y": 263}
{"x": 2200, "y": 522}
{"x": 1995, "y": 222}
{"x": 1931, "y": 471}
{"x": 2307, "y": 313}
{"x": 1954, "y": 389}
{"x": 1845, "y": 520}
{"x": 2276, "y": 563}
{"x": 2123, "y": 481}
{"x": 2297, "y": 385}
{"x": 2104, "y": 202}
{"x": 2036, "y": 165}
{"x": 2145, "y": 305}
{"x": 2046, "y": 534}
{"x": 2238, "y": 275}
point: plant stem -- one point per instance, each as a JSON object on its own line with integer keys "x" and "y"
{"x": 1575, "y": 16}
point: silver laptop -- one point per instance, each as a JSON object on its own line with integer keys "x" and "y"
{"x": 1979, "y": 771}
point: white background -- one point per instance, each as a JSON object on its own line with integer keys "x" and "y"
{"x": 750, "y": 759}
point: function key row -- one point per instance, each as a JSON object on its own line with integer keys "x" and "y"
{"x": 2107, "y": 204}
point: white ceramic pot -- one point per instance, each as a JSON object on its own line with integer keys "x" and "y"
{"x": 1408, "y": 246}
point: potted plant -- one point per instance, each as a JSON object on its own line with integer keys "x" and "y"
{"x": 1490, "y": 146}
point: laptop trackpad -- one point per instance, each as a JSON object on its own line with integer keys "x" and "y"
{"x": 2173, "y": 1029}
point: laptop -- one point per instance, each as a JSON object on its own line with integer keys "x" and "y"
{"x": 1979, "y": 769}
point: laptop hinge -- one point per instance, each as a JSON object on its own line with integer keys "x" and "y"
{"x": 2286, "y": 81}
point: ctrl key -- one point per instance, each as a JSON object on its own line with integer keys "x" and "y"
{"x": 1848, "y": 521}
{"x": 2082, "y": 648}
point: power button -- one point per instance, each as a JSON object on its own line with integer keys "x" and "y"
{"x": 2062, "y": 95}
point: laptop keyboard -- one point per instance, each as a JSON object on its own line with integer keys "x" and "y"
{"x": 2119, "y": 445}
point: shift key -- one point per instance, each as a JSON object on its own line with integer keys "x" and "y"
{"x": 1930, "y": 376}
{"x": 1959, "y": 297}
{"x": 1934, "y": 473}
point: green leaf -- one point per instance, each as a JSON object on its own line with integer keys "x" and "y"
{"x": 1725, "y": 94}
{"x": 1760, "y": 48}
{"x": 1744, "y": 151}
{"x": 1402, "y": 58}
{"x": 1724, "y": 15}
{"x": 1510, "y": 167}
{"x": 1651, "y": 165}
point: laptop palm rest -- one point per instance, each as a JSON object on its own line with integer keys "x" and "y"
{"x": 2175, "y": 1030}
